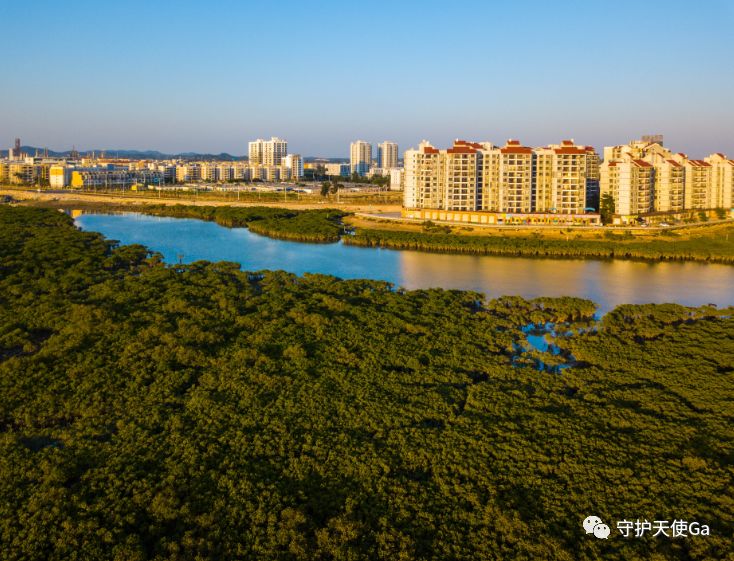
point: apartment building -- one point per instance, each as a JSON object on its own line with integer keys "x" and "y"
{"x": 387, "y": 155}
{"x": 188, "y": 172}
{"x": 630, "y": 181}
{"x": 423, "y": 177}
{"x": 292, "y": 167}
{"x": 515, "y": 189}
{"x": 696, "y": 182}
{"x": 473, "y": 176}
{"x": 666, "y": 192}
{"x": 461, "y": 176}
{"x": 267, "y": 152}
{"x": 360, "y": 157}
{"x": 668, "y": 186}
{"x": 21, "y": 172}
{"x": 209, "y": 171}
{"x": 397, "y": 179}
{"x": 722, "y": 180}
{"x": 560, "y": 178}
{"x": 593, "y": 178}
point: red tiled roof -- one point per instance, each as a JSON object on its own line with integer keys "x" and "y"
{"x": 567, "y": 142}
{"x": 642, "y": 163}
{"x": 461, "y": 150}
{"x": 465, "y": 143}
{"x": 514, "y": 147}
{"x": 674, "y": 163}
{"x": 570, "y": 150}
{"x": 589, "y": 148}
{"x": 430, "y": 150}
{"x": 516, "y": 150}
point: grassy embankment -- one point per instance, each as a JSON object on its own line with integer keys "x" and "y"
{"x": 713, "y": 244}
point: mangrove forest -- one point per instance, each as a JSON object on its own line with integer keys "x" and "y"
{"x": 200, "y": 412}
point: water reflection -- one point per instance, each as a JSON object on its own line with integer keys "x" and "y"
{"x": 608, "y": 283}
{"x": 495, "y": 276}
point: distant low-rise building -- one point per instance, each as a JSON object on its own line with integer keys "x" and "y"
{"x": 337, "y": 169}
{"x": 59, "y": 176}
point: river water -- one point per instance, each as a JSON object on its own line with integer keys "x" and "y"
{"x": 608, "y": 283}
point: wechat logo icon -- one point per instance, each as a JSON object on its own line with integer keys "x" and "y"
{"x": 594, "y": 525}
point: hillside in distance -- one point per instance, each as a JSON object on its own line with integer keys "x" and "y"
{"x": 129, "y": 154}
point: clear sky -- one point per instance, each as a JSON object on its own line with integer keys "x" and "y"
{"x": 209, "y": 76}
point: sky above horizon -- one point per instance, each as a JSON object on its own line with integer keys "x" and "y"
{"x": 185, "y": 76}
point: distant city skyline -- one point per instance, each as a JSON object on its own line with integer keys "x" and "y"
{"x": 179, "y": 77}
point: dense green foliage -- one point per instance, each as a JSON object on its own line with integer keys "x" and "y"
{"x": 321, "y": 225}
{"x": 200, "y": 412}
{"x": 607, "y": 208}
{"x": 614, "y": 245}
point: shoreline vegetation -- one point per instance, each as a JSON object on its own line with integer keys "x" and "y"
{"x": 197, "y": 411}
{"x": 699, "y": 243}
{"x": 312, "y": 226}
{"x": 614, "y": 245}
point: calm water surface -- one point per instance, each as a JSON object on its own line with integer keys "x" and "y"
{"x": 608, "y": 283}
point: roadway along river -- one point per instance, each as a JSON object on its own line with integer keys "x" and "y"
{"x": 608, "y": 283}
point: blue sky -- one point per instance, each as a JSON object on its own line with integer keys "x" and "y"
{"x": 194, "y": 76}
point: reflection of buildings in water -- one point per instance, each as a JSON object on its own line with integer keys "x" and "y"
{"x": 494, "y": 276}
{"x": 689, "y": 284}
{"x": 607, "y": 283}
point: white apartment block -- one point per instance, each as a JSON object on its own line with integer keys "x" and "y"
{"x": 513, "y": 179}
{"x": 678, "y": 182}
{"x": 397, "y": 179}
{"x": 630, "y": 182}
{"x": 560, "y": 177}
{"x": 515, "y": 185}
{"x": 387, "y": 155}
{"x": 697, "y": 183}
{"x": 422, "y": 179}
{"x": 292, "y": 167}
{"x": 360, "y": 157}
{"x": 722, "y": 180}
{"x": 462, "y": 176}
{"x": 267, "y": 152}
